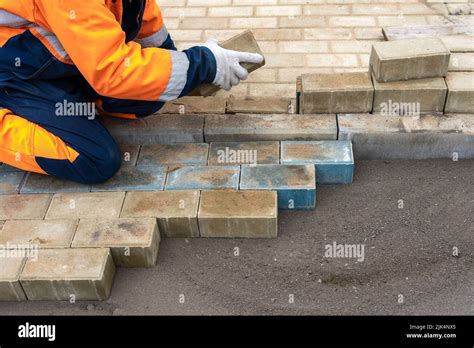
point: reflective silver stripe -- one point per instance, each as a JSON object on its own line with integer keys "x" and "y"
{"x": 53, "y": 40}
{"x": 155, "y": 40}
{"x": 179, "y": 76}
{"x": 10, "y": 20}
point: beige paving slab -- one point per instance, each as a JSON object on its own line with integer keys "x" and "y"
{"x": 23, "y": 207}
{"x": 247, "y": 127}
{"x": 462, "y": 62}
{"x": 409, "y": 59}
{"x": 195, "y": 105}
{"x": 129, "y": 154}
{"x": 133, "y": 242}
{"x": 86, "y": 205}
{"x": 174, "y": 154}
{"x": 38, "y": 183}
{"x": 336, "y": 93}
{"x": 415, "y": 96}
{"x": 460, "y": 92}
{"x": 175, "y": 211}
{"x": 378, "y": 137}
{"x": 255, "y": 105}
{"x": 250, "y": 152}
{"x": 156, "y": 129}
{"x": 69, "y": 274}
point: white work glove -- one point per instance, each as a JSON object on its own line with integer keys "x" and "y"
{"x": 229, "y": 71}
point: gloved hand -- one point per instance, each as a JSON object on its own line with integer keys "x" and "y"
{"x": 229, "y": 71}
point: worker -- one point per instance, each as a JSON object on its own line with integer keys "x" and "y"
{"x": 57, "y": 56}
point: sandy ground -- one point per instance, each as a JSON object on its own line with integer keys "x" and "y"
{"x": 408, "y": 252}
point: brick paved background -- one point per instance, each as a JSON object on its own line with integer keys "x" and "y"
{"x": 302, "y": 36}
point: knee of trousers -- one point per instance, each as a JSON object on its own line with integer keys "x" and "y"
{"x": 91, "y": 166}
{"x": 99, "y": 166}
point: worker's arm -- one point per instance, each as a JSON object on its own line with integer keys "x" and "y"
{"x": 153, "y": 32}
{"x": 96, "y": 44}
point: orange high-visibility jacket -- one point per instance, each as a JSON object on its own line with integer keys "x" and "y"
{"x": 93, "y": 37}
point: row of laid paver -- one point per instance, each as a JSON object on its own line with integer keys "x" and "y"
{"x": 189, "y": 128}
{"x": 359, "y": 93}
{"x": 333, "y": 160}
{"x": 47, "y": 260}
{"x": 251, "y": 127}
{"x": 409, "y": 59}
{"x": 133, "y": 242}
{"x": 229, "y": 105}
{"x": 397, "y": 137}
{"x": 159, "y": 167}
{"x": 427, "y": 129}
{"x": 132, "y": 220}
{"x": 242, "y": 42}
{"x": 191, "y": 213}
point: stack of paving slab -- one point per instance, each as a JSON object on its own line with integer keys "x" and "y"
{"x": 408, "y": 106}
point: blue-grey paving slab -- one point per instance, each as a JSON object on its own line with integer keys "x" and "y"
{"x": 128, "y": 178}
{"x": 251, "y": 152}
{"x": 333, "y": 159}
{"x": 203, "y": 178}
{"x": 295, "y": 184}
{"x": 129, "y": 154}
{"x": 174, "y": 154}
{"x": 378, "y": 137}
{"x": 38, "y": 183}
{"x": 276, "y": 127}
{"x": 10, "y": 182}
{"x": 6, "y": 168}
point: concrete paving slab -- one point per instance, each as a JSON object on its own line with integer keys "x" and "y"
{"x": 158, "y": 129}
{"x": 260, "y": 152}
{"x": 10, "y": 182}
{"x": 409, "y": 97}
{"x": 38, "y": 183}
{"x": 460, "y": 92}
{"x": 85, "y": 205}
{"x": 462, "y": 62}
{"x": 195, "y": 105}
{"x": 6, "y": 168}
{"x": 246, "y": 127}
{"x": 66, "y": 274}
{"x": 175, "y": 211}
{"x": 254, "y": 105}
{"x": 238, "y": 214}
{"x": 133, "y": 242}
{"x": 243, "y": 42}
{"x": 129, "y": 154}
{"x": 203, "y": 178}
{"x": 295, "y": 184}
